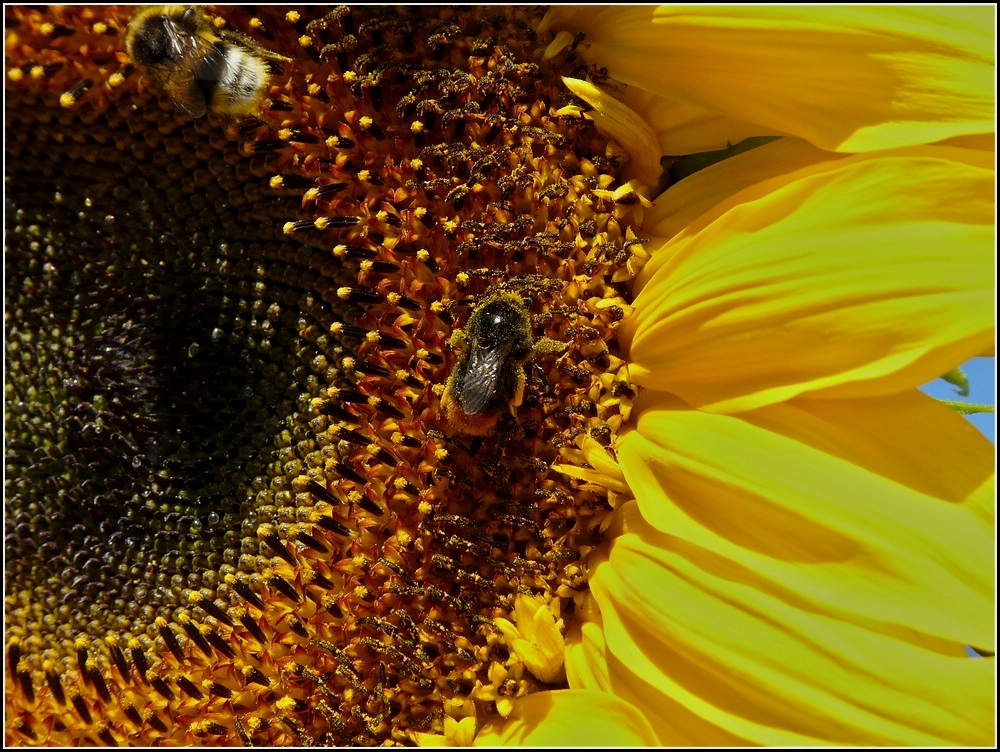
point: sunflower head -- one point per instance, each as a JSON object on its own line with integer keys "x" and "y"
{"x": 238, "y": 506}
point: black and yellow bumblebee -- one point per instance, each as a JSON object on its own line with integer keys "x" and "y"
{"x": 199, "y": 68}
{"x": 489, "y": 373}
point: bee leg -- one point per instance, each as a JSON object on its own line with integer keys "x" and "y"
{"x": 520, "y": 380}
{"x": 458, "y": 340}
{"x": 547, "y": 345}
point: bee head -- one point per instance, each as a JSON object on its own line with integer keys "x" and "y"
{"x": 502, "y": 323}
{"x": 151, "y": 38}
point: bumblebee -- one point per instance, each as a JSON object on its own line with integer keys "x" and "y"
{"x": 200, "y": 69}
{"x": 489, "y": 372}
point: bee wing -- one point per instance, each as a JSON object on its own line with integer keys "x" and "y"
{"x": 185, "y": 92}
{"x": 484, "y": 367}
{"x": 184, "y": 43}
{"x": 192, "y": 53}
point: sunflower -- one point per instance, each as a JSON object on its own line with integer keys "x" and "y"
{"x": 249, "y": 497}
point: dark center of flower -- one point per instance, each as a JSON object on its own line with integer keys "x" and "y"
{"x": 234, "y": 504}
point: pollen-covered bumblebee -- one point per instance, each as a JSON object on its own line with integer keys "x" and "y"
{"x": 489, "y": 373}
{"x": 200, "y": 69}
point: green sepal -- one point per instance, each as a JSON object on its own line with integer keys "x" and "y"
{"x": 956, "y": 377}
{"x": 968, "y": 408}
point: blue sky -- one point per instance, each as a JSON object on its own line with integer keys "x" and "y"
{"x": 981, "y": 373}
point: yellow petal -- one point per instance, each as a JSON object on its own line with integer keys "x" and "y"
{"x": 617, "y": 121}
{"x": 698, "y": 194}
{"x": 684, "y": 128}
{"x": 908, "y": 438}
{"x": 757, "y": 660}
{"x": 845, "y": 78}
{"x": 865, "y": 276}
{"x": 569, "y": 718}
{"x": 590, "y": 665}
{"x": 980, "y": 141}
{"x": 586, "y": 650}
{"x": 983, "y": 501}
{"x": 703, "y": 197}
{"x": 797, "y": 516}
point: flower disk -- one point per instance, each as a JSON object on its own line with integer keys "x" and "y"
{"x": 235, "y": 510}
